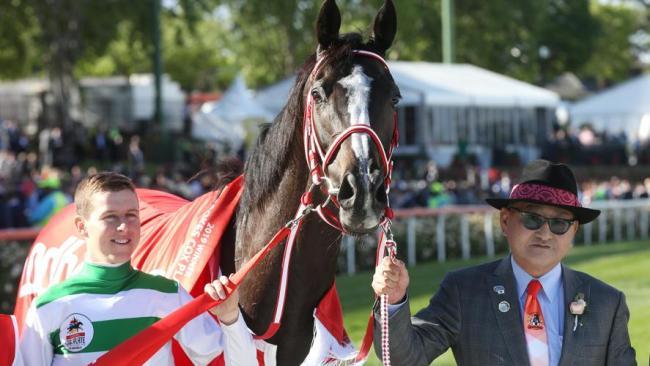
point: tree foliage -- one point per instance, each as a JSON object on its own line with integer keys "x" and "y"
{"x": 206, "y": 43}
{"x": 614, "y": 54}
{"x": 18, "y": 56}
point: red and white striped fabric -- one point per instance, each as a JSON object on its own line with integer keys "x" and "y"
{"x": 10, "y": 354}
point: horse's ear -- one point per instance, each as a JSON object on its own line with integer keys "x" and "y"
{"x": 328, "y": 24}
{"x": 385, "y": 26}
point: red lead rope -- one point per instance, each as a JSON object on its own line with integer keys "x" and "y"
{"x": 142, "y": 346}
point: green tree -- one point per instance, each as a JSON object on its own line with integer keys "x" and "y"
{"x": 613, "y": 56}
{"x": 78, "y": 37}
{"x": 271, "y": 38}
{"x": 199, "y": 58}
{"x": 197, "y": 55}
{"x": 18, "y": 28}
{"x": 570, "y": 33}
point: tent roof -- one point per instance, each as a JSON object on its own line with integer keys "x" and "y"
{"x": 464, "y": 84}
{"x": 274, "y": 97}
{"x": 236, "y": 105}
{"x": 568, "y": 86}
{"x": 223, "y": 120}
{"x": 626, "y": 99}
{"x": 441, "y": 84}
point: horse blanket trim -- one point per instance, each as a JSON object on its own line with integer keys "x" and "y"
{"x": 178, "y": 239}
{"x": 10, "y": 356}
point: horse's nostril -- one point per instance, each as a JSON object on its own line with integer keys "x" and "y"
{"x": 347, "y": 189}
{"x": 380, "y": 193}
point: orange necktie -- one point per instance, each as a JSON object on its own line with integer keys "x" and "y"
{"x": 534, "y": 327}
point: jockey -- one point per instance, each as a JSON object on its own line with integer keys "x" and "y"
{"x": 108, "y": 301}
{"x": 10, "y": 355}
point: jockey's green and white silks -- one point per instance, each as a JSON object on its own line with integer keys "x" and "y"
{"x": 75, "y": 322}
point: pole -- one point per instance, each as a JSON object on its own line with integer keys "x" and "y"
{"x": 157, "y": 67}
{"x": 448, "y": 44}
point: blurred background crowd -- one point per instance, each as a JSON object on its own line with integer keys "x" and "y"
{"x": 38, "y": 176}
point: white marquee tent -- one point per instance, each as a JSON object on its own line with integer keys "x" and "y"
{"x": 467, "y": 85}
{"x": 441, "y": 84}
{"x": 223, "y": 121}
{"x": 622, "y": 108}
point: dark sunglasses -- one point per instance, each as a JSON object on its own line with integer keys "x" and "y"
{"x": 533, "y": 221}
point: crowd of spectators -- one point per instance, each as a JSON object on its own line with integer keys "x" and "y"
{"x": 38, "y": 175}
{"x": 585, "y": 146}
{"x": 434, "y": 190}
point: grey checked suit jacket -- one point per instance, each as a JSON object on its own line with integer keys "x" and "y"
{"x": 464, "y": 315}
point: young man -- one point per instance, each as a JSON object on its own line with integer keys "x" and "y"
{"x": 78, "y": 320}
{"x": 526, "y": 309}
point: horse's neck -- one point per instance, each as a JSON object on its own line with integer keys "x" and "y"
{"x": 280, "y": 200}
{"x": 313, "y": 262}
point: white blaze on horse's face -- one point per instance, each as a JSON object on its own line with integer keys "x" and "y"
{"x": 357, "y": 85}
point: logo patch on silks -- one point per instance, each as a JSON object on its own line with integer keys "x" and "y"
{"x": 534, "y": 322}
{"x": 76, "y": 332}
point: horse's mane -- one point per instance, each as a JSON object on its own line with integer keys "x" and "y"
{"x": 270, "y": 157}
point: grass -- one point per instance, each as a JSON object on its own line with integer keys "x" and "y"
{"x": 625, "y": 266}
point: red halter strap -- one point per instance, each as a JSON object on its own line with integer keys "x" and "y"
{"x": 318, "y": 160}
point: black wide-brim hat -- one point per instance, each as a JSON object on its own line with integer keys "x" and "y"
{"x": 546, "y": 183}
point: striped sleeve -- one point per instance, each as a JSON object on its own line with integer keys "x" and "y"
{"x": 239, "y": 348}
{"x": 35, "y": 345}
{"x": 203, "y": 339}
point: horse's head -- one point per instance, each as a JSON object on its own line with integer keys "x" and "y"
{"x": 349, "y": 93}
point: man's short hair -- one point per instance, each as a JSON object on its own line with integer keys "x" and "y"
{"x": 99, "y": 182}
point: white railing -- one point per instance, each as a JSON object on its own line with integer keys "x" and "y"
{"x": 633, "y": 215}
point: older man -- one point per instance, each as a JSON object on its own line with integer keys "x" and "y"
{"x": 526, "y": 309}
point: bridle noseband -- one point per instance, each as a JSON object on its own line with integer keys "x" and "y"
{"x": 318, "y": 160}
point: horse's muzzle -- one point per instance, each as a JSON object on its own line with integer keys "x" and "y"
{"x": 363, "y": 199}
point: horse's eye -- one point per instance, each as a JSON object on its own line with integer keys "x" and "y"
{"x": 316, "y": 95}
{"x": 395, "y": 100}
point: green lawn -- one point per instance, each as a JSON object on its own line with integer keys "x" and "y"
{"x": 625, "y": 266}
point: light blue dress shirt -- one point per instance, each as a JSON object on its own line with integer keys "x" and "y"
{"x": 551, "y": 299}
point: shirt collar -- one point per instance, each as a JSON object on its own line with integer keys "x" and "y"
{"x": 107, "y": 271}
{"x": 550, "y": 281}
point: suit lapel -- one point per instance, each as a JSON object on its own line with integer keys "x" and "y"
{"x": 509, "y": 322}
{"x": 572, "y": 285}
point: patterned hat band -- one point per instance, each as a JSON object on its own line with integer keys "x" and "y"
{"x": 546, "y": 194}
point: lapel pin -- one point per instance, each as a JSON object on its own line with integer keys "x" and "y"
{"x": 504, "y": 306}
{"x": 499, "y": 289}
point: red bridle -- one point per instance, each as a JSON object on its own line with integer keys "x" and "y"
{"x": 318, "y": 160}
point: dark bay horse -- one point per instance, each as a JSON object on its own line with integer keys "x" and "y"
{"x": 349, "y": 89}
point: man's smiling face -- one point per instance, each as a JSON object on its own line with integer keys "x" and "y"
{"x": 112, "y": 227}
